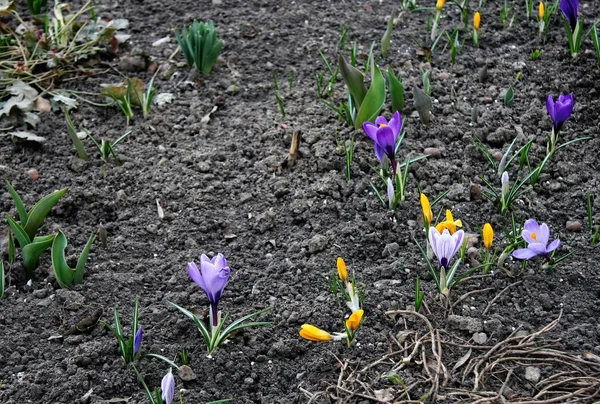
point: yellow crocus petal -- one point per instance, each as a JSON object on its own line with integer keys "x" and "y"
{"x": 542, "y": 10}
{"x": 477, "y": 20}
{"x": 449, "y": 217}
{"x": 440, "y": 4}
{"x": 312, "y": 333}
{"x": 488, "y": 235}
{"x": 426, "y": 207}
{"x": 341, "y": 267}
{"x": 354, "y": 320}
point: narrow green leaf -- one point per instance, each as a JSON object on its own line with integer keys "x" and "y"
{"x": 80, "y": 268}
{"x": 76, "y": 141}
{"x": 237, "y": 322}
{"x": 509, "y": 97}
{"x": 33, "y": 251}
{"x": 18, "y": 203}
{"x": 40, "y": 210}
{"x": 64, "y": 274}
{"x": 22, "y": 238}
{"x": 387, "y": 36}
{"x": 373, "y": 101}
{"x": 354, "y": 79}
{"x": 1, "y": 279}
{"x": 422, "y": 105}
{"x": 162, "y": 358}
{"x": 199, "y": 324}
{"x": 396, "y": 91}
{"x": 12, "y": 253}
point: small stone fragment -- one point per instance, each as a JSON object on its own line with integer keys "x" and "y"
{"x": 532, "y": 374}
{"x": 573, "y": 225}
{"x": 433, "y": 152}
{"x": 480, "y": 338}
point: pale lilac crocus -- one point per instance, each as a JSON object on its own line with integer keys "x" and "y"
{"x": 537, "y": 237}
{"x": 390, "y": 192}
{"x": 505, "y": 185}
{"x": 385, "y": 135}
{"x": 167, "y": 388}
{"x": 560, "y": 110}
{"x": 570, "y": 9}
{"x": 444, "y": 245}
{"x": 137, "y": 341}
{"x": 212, "y": 278}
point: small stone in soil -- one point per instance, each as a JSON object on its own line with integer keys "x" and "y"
{"x": 480, "y": 338}
{"x": 33, "y": 174}
{"x": 532, "y": 374}
{"x": 573, "y": 225}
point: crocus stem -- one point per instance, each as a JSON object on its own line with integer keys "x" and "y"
{"x": 394, "y": 166}
{"x": 214, "y": 312}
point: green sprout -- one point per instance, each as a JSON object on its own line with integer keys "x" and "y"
{"x": 419, "y": 295}
{"x": 37, "y": 7}
{"x": 199, "y": 45}
{"x": 106, "y": 148}
{"x": 76, "y": 141}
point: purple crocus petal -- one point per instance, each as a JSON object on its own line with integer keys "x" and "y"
{"x": 396, "y": 123}
{"x": 137, "y": 341}
{"x": 387, "y": 141}
{"x": 570, "y": 9}
{"x": 214, "y": 279}
{"x": 530, "y": 226}
{"x": 445, "y": 248}
{"x": 553, "y": 246}
{"x": 563, "y": 108}
{"x": 550, "y": 108}
{"x": 381, "y": 121}
{"x": 544, "y": 235}
{"x": 219, "y": 261}
{"x": 204, "y": 258}
{"x": 195, "y": 274}
{"x": 371, "y": 130}
{"x": 434, "y": 235}
{"x": 458, "y": 240}
{"x": 167, "y": 388}
{"x": 524, "y": 253}
{"x": 538, "y": 248}
{"x": 379, "y": 152}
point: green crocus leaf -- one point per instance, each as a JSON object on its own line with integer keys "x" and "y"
{"x": 18, "y": 203}
{"x": 354, "y": 79}
{"x": 373, "y": 101}
{"x": 66, "y": 275}
{"x": 22, "y": 238}
{"x": 33, "y": 251}
{"x": 40, "y": 210}
{"x": 396, "y": 91}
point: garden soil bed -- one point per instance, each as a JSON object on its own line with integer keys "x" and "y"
{"x": 223, "y": 188}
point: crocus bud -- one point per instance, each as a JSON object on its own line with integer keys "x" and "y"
{"x": 505, "y": 185}
{"x": 541, "y": 10}
{"x": 440, "y": 4}
{"x": 341, "y": 268}
{"x": 167, "y": 387}
{"x": 427, "y": 213}
{"x": 137, "y": 341}
{"x": 488, "y": 235}
{"x": 354, "y": 320}
{"x": 312, "y": 333}
{"x": 477, "y": 20}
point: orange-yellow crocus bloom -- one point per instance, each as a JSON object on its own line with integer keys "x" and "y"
{"x": 477, "y": 20}
{"x": 488, "y": 235}
{"x": 449, "y": 224}
{"x": 427, "y": 213}
{"x": 341, "y": 268}
{"x": 354, "y": 320}
{"x": 542, "y": 10}
{"x": 440, "y": 4}
{"x": 312, "y": 333}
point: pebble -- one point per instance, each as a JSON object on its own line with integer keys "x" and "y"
{"x": 573, "y": 225}
{"x": 33, "y": 174}
{"x": 317, "y": 243}
{"x": 480, "y": 338}
{"x": 433, "y": 152}
{"x": 532, "y": 374}
{"x": 40, "y": 293}
{"x": 464, "y": 323}
{"x": 391, "y": 249}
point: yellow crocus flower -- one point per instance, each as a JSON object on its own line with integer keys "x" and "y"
{"x": 488, "y": 235}
{"x": 440, "y": 4}
{"x": 477, "y": 20}
{"x": 542, "y": 10}
{"x": 449, "y": 224}
{"x": 341, "y": 268}
{"x": 312, "y": 333}
{"x": 354, "y": 320}
{"x": 427, "y": 214}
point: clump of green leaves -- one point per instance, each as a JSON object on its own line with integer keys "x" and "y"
{"x": 132, "y": 93}
{"x": 199, "y": 45}
{"x": 32, "y": 246}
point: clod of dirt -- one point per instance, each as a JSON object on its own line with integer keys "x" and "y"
{"x": 464, "y": 323}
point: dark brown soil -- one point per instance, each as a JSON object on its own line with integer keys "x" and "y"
{"x": 281, "y": 229}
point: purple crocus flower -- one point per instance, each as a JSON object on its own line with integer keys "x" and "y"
{"x": 385, "y": 134}
{"x": 167, "y": 388}
{"x": 560, "y": 110}
{"x": 444, "y": 245}
{"x": 212, "y": 279}
{"x": 137, "y": 341}
{"x": 537, "y": 241}
{"x": 570, "y": 9}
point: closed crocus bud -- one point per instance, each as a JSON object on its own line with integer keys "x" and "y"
{"x": 542, "y": 10}
{"x": 505, "y": 185}
{"x": 427, "y": 214}
{"x": 477, "y": 20}
{"x": 341, "y": 268}
{"x": 137, "y": 341}
{"x": 440, "y": 4}
{"x": 488, "y": 235}
{"x": 167, "y": 388}
{"x": 390, "y": 193}
{"x": 354, "y": 320}
{"x": 312, "y": 333}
